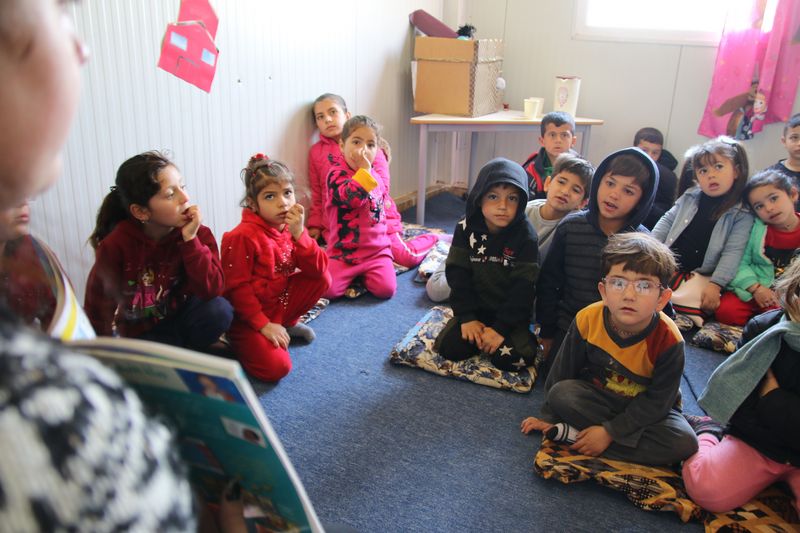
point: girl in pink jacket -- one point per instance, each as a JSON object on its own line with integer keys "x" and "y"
{"x": 274, "y": 271}
{"x": 330, "y": 114}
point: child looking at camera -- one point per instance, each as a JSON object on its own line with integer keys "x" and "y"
{"x": 274, "y": 271}
{"x": 613, "y": 387}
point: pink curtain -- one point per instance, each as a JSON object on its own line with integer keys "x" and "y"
{"x": 756, "y": 71}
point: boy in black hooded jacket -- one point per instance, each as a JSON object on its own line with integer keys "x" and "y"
{"x": 623, "y": 190}
{"x": 492, "y": 268}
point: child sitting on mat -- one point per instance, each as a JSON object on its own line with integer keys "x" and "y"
{"x": 492, "y": 268}
{"x": 757, "y": 391}
{"x": 613, "y": 388}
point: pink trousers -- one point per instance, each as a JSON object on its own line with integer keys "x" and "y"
{"x": 410, "y": 253}
{"x": 379, "y": 276}
{"x": 724, "y": 475}
{"x": 259, "y": 357}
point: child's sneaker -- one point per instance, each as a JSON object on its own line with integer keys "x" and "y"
{"x": 705, "y": 424}
{"x": 301, "y": 331}
{"x": 562, "y": 432}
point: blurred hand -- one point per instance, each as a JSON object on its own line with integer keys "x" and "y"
{"x": 471, "y": 331}
{"x": 276, "y": 334}
{"x": 592, "y": 441}
{"x": 193, "y": 219}
{"x": 295, "y": 218}
{"x": 534, "y": 424}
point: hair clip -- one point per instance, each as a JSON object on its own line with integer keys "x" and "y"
{"x": 113, "y": 188}
{"x": 259, "y": 156}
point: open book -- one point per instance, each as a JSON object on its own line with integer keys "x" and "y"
{"x": 220, "y": 425}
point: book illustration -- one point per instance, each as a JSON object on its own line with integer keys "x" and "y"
{"x": 221, "y": 428}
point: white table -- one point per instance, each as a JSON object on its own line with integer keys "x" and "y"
{"x": 502, "y": 121}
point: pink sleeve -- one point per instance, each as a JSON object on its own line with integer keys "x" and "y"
{"x": 316, "y": 181}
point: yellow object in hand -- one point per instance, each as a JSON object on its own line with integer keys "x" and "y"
{"x": 365, "y": 179}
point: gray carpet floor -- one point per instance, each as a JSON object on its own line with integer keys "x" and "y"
{"x": 396, "y": 449}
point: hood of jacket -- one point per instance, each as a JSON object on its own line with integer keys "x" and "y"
{"x": 642, "y": 209}
{"x": 498, "y": 170}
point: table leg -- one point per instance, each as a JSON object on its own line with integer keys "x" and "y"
{"x": 586, "y": 136}
{"x": 422, "y": 173}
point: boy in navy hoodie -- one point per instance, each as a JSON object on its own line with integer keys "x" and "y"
{"x": 623, "y": 191}
{"x": 492, "y": 268}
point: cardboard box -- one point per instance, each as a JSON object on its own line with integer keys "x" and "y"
{"x": 458, "y": 77}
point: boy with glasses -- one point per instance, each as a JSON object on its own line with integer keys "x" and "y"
{"x": 613, "y": 388}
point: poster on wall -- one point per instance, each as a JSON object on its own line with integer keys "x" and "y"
{"x": 188, "y": 49}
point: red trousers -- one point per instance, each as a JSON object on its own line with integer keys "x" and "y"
{"x": 735, "y": 312}
{"x": 259, "y": 357}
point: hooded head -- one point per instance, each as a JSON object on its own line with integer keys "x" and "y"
{"x": 637, "y": 164}
{"x": 497, "y": 171}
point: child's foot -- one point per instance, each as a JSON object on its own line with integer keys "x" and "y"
{"x": 705, "y": 424}
{"x": 562, "y": 432}
{"x": 301, "y": 331}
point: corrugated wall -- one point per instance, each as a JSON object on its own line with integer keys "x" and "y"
{"x": 275, "y": 58}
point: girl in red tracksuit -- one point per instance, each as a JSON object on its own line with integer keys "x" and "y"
{"x": 274, "y": 271}
{"x": 330, "y": 114}
{"x": 157, "y": 274}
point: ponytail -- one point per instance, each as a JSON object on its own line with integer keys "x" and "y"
{"x": 110, "y": 214}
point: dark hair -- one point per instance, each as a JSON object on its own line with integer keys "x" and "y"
{"x": 640, "y": 253}
{"x": 651, "y": 135}
{"x": 358, "y": 121}
{"x": 723, "y": 146}
{"x": 557, "y": 119}
{"x": 630, "y": 165}
{"x": 686, "y": 180}
{"x": 567, "y": 162}
{"x": 136, "y": 182}
{"x": 327, "y": 96}
{"x": 776, "y": 178}
{"x": 793, "y": 122}
{"x": 260, "y": 172}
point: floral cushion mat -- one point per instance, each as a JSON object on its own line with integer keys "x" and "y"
{"x": 416, "y": 350}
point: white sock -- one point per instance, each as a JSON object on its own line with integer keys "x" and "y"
{"x": 562, "y": 432}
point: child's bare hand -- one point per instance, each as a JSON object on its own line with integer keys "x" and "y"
{"x": 363, "y": 159}
{"x": 592, "y": 441}
{"x": 295, "y": 218}
{"x": 534, "y": 424}
{"x": 471, "y": 331}
{"x": 490, "y": 340}
{"x": 276, "y": 334}
{"x": 768, "y": 384}
{"x": 709, "y": 300}
{"x": 765, "y": 297}
{"x": 547, "y": 345}
{"x": 314, "y": 233}
{"x": 231, "y": 510}
{"x": 193, "y": 218}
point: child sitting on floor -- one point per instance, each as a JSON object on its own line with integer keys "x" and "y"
{"x": 274, "y": 271}
{"x": 358, "y": 242}
{"x": 330, "y": 114}
{"x": 774, "y": 238}
{"x": 708, "y": 227}
{"x": 613, "y": 387}
{"x": 757, "y": 391}
{"x": 492, "y": 268}
{"x": 157, "y": 273}
{"x": 790, "y": 139}
{"x": 568, "y": 191}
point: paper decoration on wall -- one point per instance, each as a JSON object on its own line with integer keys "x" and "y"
{"x": 188, "y": 49}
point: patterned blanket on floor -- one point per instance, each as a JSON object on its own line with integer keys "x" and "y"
{"x": 314, "y": 312}
{"x": 416, "y": 349}
{"x": 661, "y": 489}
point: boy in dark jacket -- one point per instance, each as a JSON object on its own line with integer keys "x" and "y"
{"x": 651, "y": 141}
{"x": 623, "y": 190}
{"x": 492, "y": 268}
{"x": 558, "y": 136}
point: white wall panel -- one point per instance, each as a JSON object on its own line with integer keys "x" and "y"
{"x": 275, "y": 58}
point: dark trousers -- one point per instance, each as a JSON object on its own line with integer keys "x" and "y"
{"x": 517, "y": 351}
{"x": 196, "y": 325}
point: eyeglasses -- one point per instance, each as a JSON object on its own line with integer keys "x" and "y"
{"x": 645, "y": 287}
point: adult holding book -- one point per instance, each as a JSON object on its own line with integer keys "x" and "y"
{"x": 76, "y": 449}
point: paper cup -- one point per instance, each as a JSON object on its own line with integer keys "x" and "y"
{"x": 532, "y": 107}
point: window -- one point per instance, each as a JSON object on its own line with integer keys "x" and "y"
{"x": 697, "y": 22}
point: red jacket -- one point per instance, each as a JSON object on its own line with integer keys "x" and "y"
{"x": 258, "y": 260}
{"x": 143, "y": 281}
{"x": 321, "y": 158}
{"x": 24, "y": 285}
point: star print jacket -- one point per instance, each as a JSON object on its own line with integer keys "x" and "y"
{"x": 494, "y": 272}
{"x": 258, "y": 260}
{"x": 136, "y": 282}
